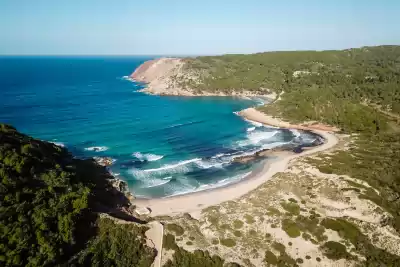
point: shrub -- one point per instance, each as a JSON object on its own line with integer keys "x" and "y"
{"x": 270, "y": 258}
{"x": 237, "y": 233}
{"x": 249, "y": 219}
{"x": 290, "y": 228}
{"x": 169, "y": 242}
{"x": 335, "y": 251}
{"x": 228, "y": 242}
{"x": 290, "y": 207}
{"x": 178, "y": 230}
{"x": 237, "y": 224}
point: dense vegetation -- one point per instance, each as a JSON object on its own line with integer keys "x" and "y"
{"x": 328, "y": 86}
{"x": 197, "y": 258}
{"x": 115, "y": 246}
{"x": 357, "y": 90}
{"x": 48, "y": 201}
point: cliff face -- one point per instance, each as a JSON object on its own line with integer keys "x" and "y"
{"x": 161, "y": 76}
{"x": 168, "y": 76}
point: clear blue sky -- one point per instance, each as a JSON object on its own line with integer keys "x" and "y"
{"x": 167, "y": 27}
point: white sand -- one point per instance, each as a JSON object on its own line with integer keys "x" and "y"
{"x": 196, "y": 201}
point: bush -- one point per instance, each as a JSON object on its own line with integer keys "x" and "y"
{"x": 290, "y": 228}
{"x": 198, "y": 258}
{"x": 249, "y": 219}
{"x": 178, "y": 230}
{"x": 270, "y": 258}
{"x": 228, "y": 242}
{"x": 237, "y": 224}
{"x": 118, "y": 245}
{"x": 169, "y": 242}
{"x": 290, "y": 207}
{"x": 48, "y": 202}
{"x": 335, "y": 251}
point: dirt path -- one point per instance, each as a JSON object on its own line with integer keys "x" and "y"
{"x": 155, "y": 239}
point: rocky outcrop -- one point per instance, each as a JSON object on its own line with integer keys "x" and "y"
{"x": 261, "y": 154}
{"x": 104, "y": 161}
{"x": 160, "y": 76}
{"x": 119, "y": 185}
{"x": 169, "y": 76}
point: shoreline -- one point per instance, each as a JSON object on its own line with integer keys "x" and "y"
{"x": 156, "y": 75}
{"x": 196, "y": 201}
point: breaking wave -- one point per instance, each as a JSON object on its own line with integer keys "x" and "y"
{"x": 154, "y": 182}
{"x": 96, "y": 148}
{"x": 255, "y": 123}
{"x": 58, "y": 143}
{"x": 255, "y": 137}
{"x": 147, "y": 157}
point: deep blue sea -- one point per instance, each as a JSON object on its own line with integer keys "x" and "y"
{"x": 161, "y": 146}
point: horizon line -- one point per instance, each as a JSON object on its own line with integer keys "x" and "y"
{"x": 186, "y": 55}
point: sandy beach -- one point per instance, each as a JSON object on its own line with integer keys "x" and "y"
{"x": 196, "y": 201}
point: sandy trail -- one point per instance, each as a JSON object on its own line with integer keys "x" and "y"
{"x": 199, "y": 200}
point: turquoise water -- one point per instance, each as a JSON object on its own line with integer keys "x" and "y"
{"x": 162, "y": 146}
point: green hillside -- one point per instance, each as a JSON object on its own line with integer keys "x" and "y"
{"x": 48, "y": 204}
{"x": 327, "y": 86}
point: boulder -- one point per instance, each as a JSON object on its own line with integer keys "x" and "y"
{"x": 142, "y": 211}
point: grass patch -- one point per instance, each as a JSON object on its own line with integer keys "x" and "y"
{"x": 270, "y": 258}
{"x": 211, "y": 209}
{"x": 345, "y": 229}
{"x": 215, "y": 241}
{"x": 213, "y": 219}
{"x": 354, "y": 184}
{"x": 292, "y": 200}
{"x": 351, "y": 189}
{"x": 225, "y": 226}
{"x": 312, "y": 226}
{"x": 290, "y": 207}
{"x": 228, "y": 242}
{"x": 335, "y": 251}
{"x": 252, "y": 232}
{"x": 273, "y": 211}
{"x": 290, "y": 228}
{"x": 306, "y": 236}
{"x": 237, "y": 224}
{"x": 169, "y": 242}
{"x": 279, "y": 247}
{"x": 249, "y": 219}
{"x": 237, "y": 233}
{"x": 178, "y": 230}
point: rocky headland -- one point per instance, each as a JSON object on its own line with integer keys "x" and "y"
{"x": 172, "y": 77}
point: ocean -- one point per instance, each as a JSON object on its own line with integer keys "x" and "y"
{"x": 162, "y": 146}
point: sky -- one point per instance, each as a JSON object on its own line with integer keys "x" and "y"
{"x": 200, "y": 27}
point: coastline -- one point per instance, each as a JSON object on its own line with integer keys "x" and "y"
{"x": 161, "y": 78}
{"x": 157, "y": 75}
{"x": 196, "y": 201}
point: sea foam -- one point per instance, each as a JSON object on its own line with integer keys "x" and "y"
{"x": 147, "y": 157}
{"x": 97, "y": 148}
{"x": 57, "y": 143}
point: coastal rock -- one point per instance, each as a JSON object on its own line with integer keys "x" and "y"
{"x": 104, "y": 161}
{"x": 167, "y": 76}
{"x": 260, "y": 155}
{"x": 142, "y": 211}
{"x": 119, "y": 185}
{"x": 130, "y": 196}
